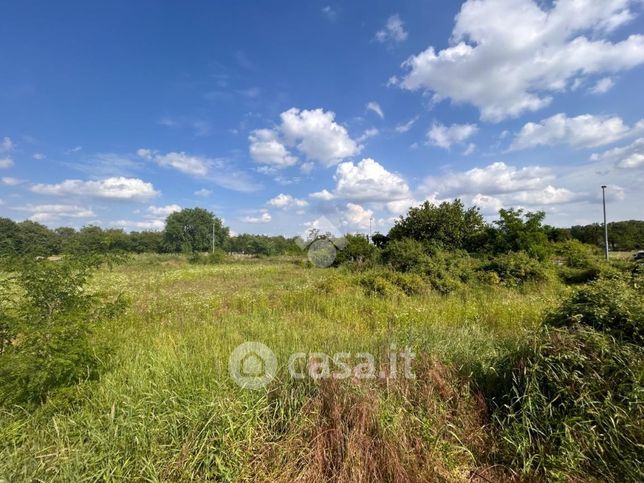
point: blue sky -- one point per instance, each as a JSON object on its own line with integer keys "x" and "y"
{"x": 278, "y": 115}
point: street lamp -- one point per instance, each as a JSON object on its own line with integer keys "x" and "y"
{"x": 605, "y": 225}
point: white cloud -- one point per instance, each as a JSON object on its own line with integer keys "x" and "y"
{"x": 510, "y": 56}
{"x": 48, "y": 213}
{"x": 7, "y": 144}
{"x": 489, "y": 205}
{"x": 264, "y": 217}
{"x": 406, "y": 126}
{"x": 163, "y": 211}
{"x": 265, "y": 148}
{"x": 400, "y": 207}
{"x": 9, "y": 181}
{"x": 369, "y": 133}
{"x": 203, "y": 192}
{"x": 375, "y": 107}
{"x": 445, "y": 136}
{"x": 470, "y": 149}
{"x": 287, "y": 201}
{"x": 185, "y": 163}
{"x": 39, "y": 156}
{"x": 493, "y": 179}
{"x": 358, "y": 216}
{"x": 368, "y": 181}
{"x": 216, "y": 170}
{"x": 631, "y": 156}
{"x": 316, "y": 134}
{"x": 547, "y": 196}
{"x": 602, "y": 86}
{"x": 324, "y": 195}
{"x": 394, "y": 30}
{"x": 581, "y": 131}
{"x": 6, "y": 163}
{"x": 117, "y": 188}
{"x": 329, "y": 12}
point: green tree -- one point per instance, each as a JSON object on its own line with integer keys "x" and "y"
{"x": 36, "y": 239}
{"x": 448, "y": 225}
{"x": 517, "y": 230}
{"x": 8, "y": 237}
{"x": 190, "y": 230}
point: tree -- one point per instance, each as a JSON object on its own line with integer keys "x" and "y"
{"x": 36, "y": 239}
{"x": 521, "y": 231}
{"x": 448, "y": 225}
{"x": 8, "y": 237}
{"x": 190, "y": 230}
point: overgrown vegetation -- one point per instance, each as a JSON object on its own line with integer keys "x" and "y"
{"x": 529, "y": 356}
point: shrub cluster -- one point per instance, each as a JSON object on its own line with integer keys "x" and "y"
{"x": 47, "y": 322}
{"x": 568, "y": 403}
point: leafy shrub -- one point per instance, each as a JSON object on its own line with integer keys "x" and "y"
{"x": 358, "y": 253}
{"x": 516, "y": 268}
{"x": 568, "y": 406}
{"x": 384, "y": 283}
{"x": 50, "y": 326}
{"x": 406, "y": 255}
{"x": 608, "y": 305}
{"x": 580, "y": 263}
{"x": 377, "y": 284}
{"x": 211, "y": 258}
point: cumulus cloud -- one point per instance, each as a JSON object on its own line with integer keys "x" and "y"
{"x": 316, "y": 134}
{"x": 48, "y": 213}
{"x": 324, "y": 195}
{"x": 265, "y": 148}
{"x": 287, "y": 201}
{"x": 533, "y": 51}
{"x": 264, "y": 217}
{"x": 117, "y": 188}
{"x": 581, "y": 132}
{"x": 375, "y": 107}
{"x": 356, "y": 215}
{"x": 445, "y": 136}
{"x": 6, "y": 163}
{"x": 163, "y": 211}
{"x": 626, "y": 157}
{"x": 394, "y": 30}
{"x": 368, "y": 181}
{"x": 493, "y": 179}
{"x": 313, "y": 133}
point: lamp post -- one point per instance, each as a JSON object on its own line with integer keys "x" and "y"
{"x": 605, "y": 225}
{"x": 213, "y": 237}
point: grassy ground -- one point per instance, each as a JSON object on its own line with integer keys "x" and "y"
{"x": 166, "y": 408}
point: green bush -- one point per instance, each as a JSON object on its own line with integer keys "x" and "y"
{"x": 516, "y": 268}
{"x": 406, "y": 255}
{"x": 211, "y": 258}
{"x": 384, "y": 283}
{"x": 580, "y": 263}
{"x": 568, "y": 406}
{"x": 50, "y": 319}
{"x": 609, "y": 305}
{"x": 357, "y": 253}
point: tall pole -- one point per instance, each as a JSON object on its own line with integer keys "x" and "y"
{"x": 605, "y": 225}
{"x": 213, "y": 238}
{"x": 370, "y": 219}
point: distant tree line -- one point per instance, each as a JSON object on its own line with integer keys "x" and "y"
{"x": 190, "y": 230}
{"x": 449, "y": 225}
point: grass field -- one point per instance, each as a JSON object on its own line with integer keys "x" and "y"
{"x": 166, "y": 409}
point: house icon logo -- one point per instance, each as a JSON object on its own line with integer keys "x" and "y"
{"x": 252, "y": 365}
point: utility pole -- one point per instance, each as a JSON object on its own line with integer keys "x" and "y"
{"x": 370, "y": 220}
{"x": 605, "y": 225}
{"x": 213, "y": 237}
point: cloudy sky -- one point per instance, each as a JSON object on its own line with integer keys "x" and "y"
{"x": 277, "y": 115}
